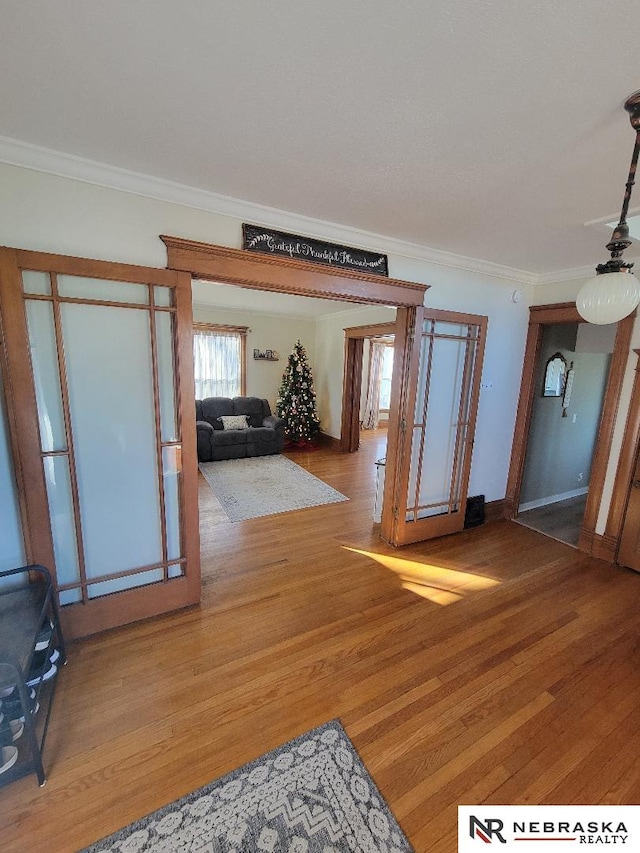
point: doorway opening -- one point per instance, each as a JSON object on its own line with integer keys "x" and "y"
{"x": 365, "y": 381}
{"x": 571, "y": 373}
{"x": 590, "y": 542}
{"x": 260, "y": 273}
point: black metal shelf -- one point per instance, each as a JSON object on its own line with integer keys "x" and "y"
{"x": 22, "y": 613}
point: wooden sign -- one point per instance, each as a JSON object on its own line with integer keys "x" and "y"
{"x": 269, "y": 242}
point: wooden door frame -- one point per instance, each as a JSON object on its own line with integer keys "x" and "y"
{"x": 539, "y": 317}
{"x": 627, "y": 462}
{"x": 352, "y": 385}
{"x": 285, "y": 275}
{"x": 301, "y": 278}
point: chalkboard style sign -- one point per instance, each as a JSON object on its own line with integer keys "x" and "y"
{"x": 269, "y": 242}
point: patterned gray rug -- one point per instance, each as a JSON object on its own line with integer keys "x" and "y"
{"x": 265, "y": 485}
{"x": 312, "y": 795}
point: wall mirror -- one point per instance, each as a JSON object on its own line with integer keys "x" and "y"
{"x": 554, "y": 376}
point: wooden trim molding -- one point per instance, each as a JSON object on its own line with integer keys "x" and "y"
{"x": 405, "y": 377}
{"x": 186, "y": 394}
{"x": 68, "y": 427}
{"x": 102, "y": 614}
{"x": 67, "y": 265}
{"x": 351, "y": 392}
{"x": 541, "y": 315}
{"x": 374, "y": 330}
{"x": 562, "y": 312}
{"x": 608, "y": 417}
{"x": 604, "y": 547}
{"x": 220, "y": 329}
{"x": 626, "y": 462}
{"x": 12, "y": 429}
{"x": 284, "y": 275}
{"x": 494, "y": 511}
{"x": 21, "y": 407}
{"x": 523, "y": 420}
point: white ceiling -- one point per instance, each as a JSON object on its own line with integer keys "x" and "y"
{"x": 209, "y": 293}
{"x": 492, "y": 129}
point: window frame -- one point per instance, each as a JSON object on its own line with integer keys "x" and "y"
{"x": 229, "y": 331}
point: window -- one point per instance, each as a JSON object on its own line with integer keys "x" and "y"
{"x": 385, "y": 379}
{"x": 220, "y": 360}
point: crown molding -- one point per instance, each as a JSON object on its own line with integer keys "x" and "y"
{"x": 14, "y": 152}
{"x": 566, "y": 275}
{"x": 575, "y": 273}
{"x": 23, "y": 154}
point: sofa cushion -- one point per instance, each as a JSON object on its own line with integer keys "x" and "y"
{"x": 262, "y": 441}
{"x": 214, "y": 408}
{"x": 228, "y": 451}
{"x": 262, "y": 434}
{"x": 234, "y": 422}
{"x": 253, "y": 407}
{"x": 226, "y": 437}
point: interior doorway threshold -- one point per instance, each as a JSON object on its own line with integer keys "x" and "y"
{"x": 560, "y": 520}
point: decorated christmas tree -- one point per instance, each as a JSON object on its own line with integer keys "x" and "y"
{"x": 296, "y": 402}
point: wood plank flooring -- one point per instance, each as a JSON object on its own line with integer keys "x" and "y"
{"x": 495, "y": 665}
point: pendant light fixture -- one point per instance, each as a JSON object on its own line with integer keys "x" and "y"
{"x": 615, "y": 291}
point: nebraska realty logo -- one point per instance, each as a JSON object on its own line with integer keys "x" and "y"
{"x": 548, "y": 828}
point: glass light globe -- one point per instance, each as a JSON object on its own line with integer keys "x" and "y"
{"x": 608, "y": 297}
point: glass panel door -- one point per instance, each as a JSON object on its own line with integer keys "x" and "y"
{"x": 113, "y": 402}
{"x": 438, "y": 424}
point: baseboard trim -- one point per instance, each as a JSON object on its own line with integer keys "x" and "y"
{"x": 552, "y": 499}
{"x": 329, "y": 441}
{"x": 604, "y": 547}
{"x": 495, "y": 510}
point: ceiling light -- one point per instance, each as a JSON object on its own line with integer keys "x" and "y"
{"x": 615, "y": 291}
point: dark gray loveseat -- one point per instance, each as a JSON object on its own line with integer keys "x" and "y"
{"x": 264, "y": 434}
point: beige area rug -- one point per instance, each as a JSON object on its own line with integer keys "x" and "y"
{"x": 265, "y": 485}
{"x": 312, "y": 795}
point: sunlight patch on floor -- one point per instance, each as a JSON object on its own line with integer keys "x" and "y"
{"x": 440, "y": 585}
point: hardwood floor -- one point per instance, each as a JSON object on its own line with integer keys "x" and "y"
{"x": 505, "y": 670}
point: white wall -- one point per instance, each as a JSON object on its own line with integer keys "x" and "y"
{"x": 55, "y": 214}
{"x": 266, "y": 332}
{"x": 560, "y": 449}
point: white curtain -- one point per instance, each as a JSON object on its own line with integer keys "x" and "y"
{"x": 371, "y": 414}
{"x": 217, "y": 364}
